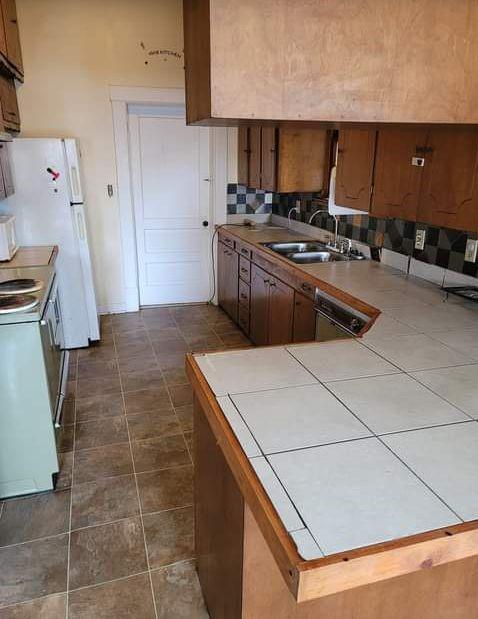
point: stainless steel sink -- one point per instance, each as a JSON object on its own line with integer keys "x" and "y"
{"x": 306, "y": 252}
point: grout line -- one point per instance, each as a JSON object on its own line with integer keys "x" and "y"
{"x": 137, "y": 490}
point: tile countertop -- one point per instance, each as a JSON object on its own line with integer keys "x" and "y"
{"x": 362, "y": 441}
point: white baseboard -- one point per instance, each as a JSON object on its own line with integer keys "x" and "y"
{"x": 112, "y": 308}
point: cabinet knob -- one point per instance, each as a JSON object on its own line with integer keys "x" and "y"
{"x": 273, "y": 283}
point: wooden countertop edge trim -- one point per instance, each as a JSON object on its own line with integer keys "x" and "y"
{"x": 272, "y": 528}
{"x": 295, "y": 271}
{"x": 373, "y": 568}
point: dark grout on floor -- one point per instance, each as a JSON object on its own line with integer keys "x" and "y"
{"x": 116, "y": 537}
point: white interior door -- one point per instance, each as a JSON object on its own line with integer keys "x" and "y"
{"x": 171, "y": 192}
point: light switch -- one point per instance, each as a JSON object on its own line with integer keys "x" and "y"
{"x": 471, "y": 250}
{"x": 420, "y": 236}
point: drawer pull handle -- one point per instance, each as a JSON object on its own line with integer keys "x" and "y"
{"x": 245, "y": 251}
{"x": 244, "y": 270}
{"x": 307, "y": 287}
{"x": 273, "y": 283}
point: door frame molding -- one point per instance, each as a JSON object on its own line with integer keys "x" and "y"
{"x": 121, "y": 97}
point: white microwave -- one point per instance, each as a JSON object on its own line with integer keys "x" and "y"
{"x": 8, "y": 241}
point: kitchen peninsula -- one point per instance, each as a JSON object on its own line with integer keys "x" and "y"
{"x": 338, "y": 479}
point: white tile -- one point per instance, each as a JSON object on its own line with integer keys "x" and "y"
{"x": 417, "y": 352}
{"x": 306, "y": 545}
{"x": 394, "y": 259}
{"x": 358, "y": 493}
{"x": 278, "y": 496}
{"x": 239, "y": 428}
{"x": 340, "y": 359}
{"x": 442, "y": 316}
{"x": 386, "y": 326}
{"x": 464, "y": 341}
{"x": 253, "y": 369}
{"x": 429, "y": 272}
{"x": 457, "y": 385}
{"x": 387, "y": 299}
{"x": 394, "y": 403}
{"x": 297, "y": 417}
{"x": 446, "y": 458}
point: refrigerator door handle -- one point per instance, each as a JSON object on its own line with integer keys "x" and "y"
{"x": 75, "y": 182}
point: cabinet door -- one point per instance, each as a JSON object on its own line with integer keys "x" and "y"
{"x": 304, "y": 319}
{"x": 255, "y": 156}
{"x": 396, "y": 185}
{"x": 356, "y": 152}
{"x": 281, "y": 312}
{"x": 6, "y": 169}
{"x": 243, "y": 155}
{"x": 449, "y": 189}
{"x": 14, "y": 51}
{"x": 9, "y": 103}
{"x": 303, "y": 160}
{"x": 259, "y": 306}
{"x": 268, "y": 158}
{"x": 228, "y": 279}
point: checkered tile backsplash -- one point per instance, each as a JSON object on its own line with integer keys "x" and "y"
{"x": 243, "y": 200}
{"x": 443, "y": 247}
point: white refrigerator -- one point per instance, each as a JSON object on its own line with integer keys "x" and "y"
{"x": 49, "y": 206}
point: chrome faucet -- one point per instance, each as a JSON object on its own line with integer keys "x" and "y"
{"x": 343, "y": 246}
{"x": 294, "y": 209}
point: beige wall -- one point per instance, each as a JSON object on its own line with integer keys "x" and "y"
{"x": 73, "y": 50}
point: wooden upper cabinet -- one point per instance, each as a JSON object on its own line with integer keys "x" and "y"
{"x": 12, "y": 36}
{"x": 268, "y": 158}
{"x": 243, "y": 155}
{"x": 255, "y": 156}
{"x": 355, "y": 161}
{"x": 9, "y": 103}
{"x": 449, "y": 188}
{"x": 303, "y": 160}
{"x": 397, "y": 178}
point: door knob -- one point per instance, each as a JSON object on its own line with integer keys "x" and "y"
{"x": 205, "y": 223}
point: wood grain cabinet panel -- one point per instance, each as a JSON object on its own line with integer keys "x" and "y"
{"x": 449, "y": 188}
{"x": 9, "y": 103}
{"x": 396, "y": 185}
{"x": 281, "y": 312}
{"x": 268, "y": 158}
{"x": 304, "y": 319}
{"x": 259, "y": 306}
{"x": 243, "y": 155}
{"x": 355, "y": 161}
{"x": 7, "y": 178}
{"x": 12, "y": 35}
{"x": 303, "y": 158}
{"x": 228, "y": 279}
{"x": 255, "y": 150}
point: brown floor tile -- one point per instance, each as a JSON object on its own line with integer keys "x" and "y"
{"x": 191, "y": 331}
{"x": 232, "y": 340}
{"x": 102, "y": 385}
{"x": 152, "y": 424}
{"x": 128, "y": 598}
{"x": 66, "y": 438}
{"x": 169, "y": 536}
{"x": 106, "y": 552}
{"x": 104, "y": 500}
{"x": 175, "y": 376}
{"x": 147, "y": 400}
{"x": 104, "y": 431}
{"x": 70, "y": 390}
{"x": 164, "y": 335}
{"x": 123, "y": 323}
{"x": 159, "y": 322}
{"x": 63, "y": 479}
{"x": 188, "y": 437}
{"x": 143, "y": 379}
{"x": 159, "y": 453}
{"x": 97, "y": 369}
{"x": 108, "y": 461}
{"x": 170, "y": 360}
{"x": 206, "y": 343}
{"x": 170, "y": 346}
{"x": 72, "y": 369}
{"x": 97, "y": 406}
{"x": 181, "y": 395}
{"x": 68, "y": 412}
{"x": 139, "y": 363}
{"x": 178, "y": 592}
{"x": 185, "y": 415}
{"x": 224, "y": 326}
{"x": 135, "y": 344}
{"x": 51, "y": 607}
{"x": 97, "y": 352}
{"x": 167, "y": 489}
{"x": 33, "y": 570}
{"x": 33, "y": 517}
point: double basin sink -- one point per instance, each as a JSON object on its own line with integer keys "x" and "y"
{"x": 306, "y": 252}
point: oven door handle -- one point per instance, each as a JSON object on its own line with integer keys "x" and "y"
{"x": 335, "y": 322}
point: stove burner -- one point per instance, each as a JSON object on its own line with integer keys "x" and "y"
{"x": 10, "y": 303}
{"x": 20, "y": 286}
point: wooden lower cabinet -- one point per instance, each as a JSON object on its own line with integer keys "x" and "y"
{"x": 259, "y": 304}
{"x": 304, "y": 319}
{"x": 281, "y": 312}
{"x": 228, "y": 279}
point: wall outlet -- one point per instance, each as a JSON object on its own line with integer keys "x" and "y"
{"x": 420, "y": 236}
{"x": 471, "y": 250}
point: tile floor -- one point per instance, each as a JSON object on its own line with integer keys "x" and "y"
{"x": 115, "y": 539}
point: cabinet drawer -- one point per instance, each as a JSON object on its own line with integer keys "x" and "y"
{"x": 243, "y": 318}
{"x": 245, "y": 269}
{"x": 243, "y": 251}
{"x": 244, "y": 294}
{"x": 227, "y": 240}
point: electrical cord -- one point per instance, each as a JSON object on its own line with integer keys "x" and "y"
{"x": 218, "y": 227}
